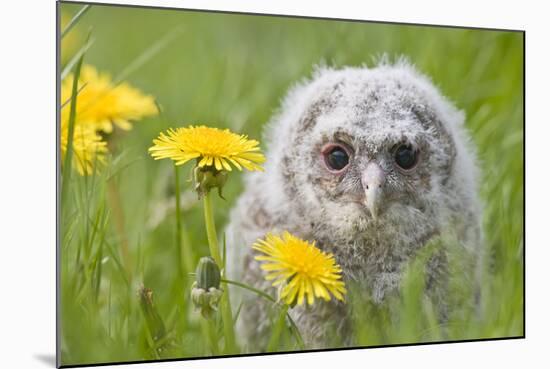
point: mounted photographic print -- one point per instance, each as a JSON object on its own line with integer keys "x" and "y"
{"x": 243, "y": 184}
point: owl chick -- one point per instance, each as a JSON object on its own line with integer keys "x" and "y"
{"x": 372, "y": 164}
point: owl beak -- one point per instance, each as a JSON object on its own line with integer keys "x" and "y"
{"x": 373, "y": 180}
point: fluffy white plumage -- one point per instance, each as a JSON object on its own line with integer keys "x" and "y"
{"x": 370, "y": 112}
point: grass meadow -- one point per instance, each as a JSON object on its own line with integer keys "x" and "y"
{"x": 118, "y": 225}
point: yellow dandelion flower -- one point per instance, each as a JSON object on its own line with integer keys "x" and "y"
{"x": 215, "y": 147}
{"x": 88, "y": 148}
{"x": 303, "y": 271}
{"x": 101, "y": 103}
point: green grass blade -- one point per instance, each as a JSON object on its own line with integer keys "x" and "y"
{"x": 224, "y": 253}
{"x": 146, "y": 55}
{"x": 77, "y": 93}
{"x": 238, "y": 313}
{"x": 66, "y": 176}
{"x": 75, "y": 20}
{"x": 71, "y": 63}
{"x": 277, "y": 330}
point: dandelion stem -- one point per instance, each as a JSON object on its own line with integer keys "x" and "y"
{"x": 211, "y": 230}
{"x": 251, "y": 289}
{"x": 178, "y": 222}
{"x": 212, "y": 336}
{"x": 277, "y": 330}
{"x": 225, "y": 303}
{"x": 295, "y": 330}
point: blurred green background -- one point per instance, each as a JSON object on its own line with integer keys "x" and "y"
{"x": 231, "y": 71}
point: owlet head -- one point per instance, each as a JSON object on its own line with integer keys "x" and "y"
{"x": 366, "y": 148}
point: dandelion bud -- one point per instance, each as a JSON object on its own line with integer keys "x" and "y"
{"x": 208, "y": 273}
{"x": 206, "y": 292}
{"x": 207, "y": 178}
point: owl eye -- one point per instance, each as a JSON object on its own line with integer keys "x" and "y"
{"x": 336, "y": 157}
{"x": 406, "y": 157}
